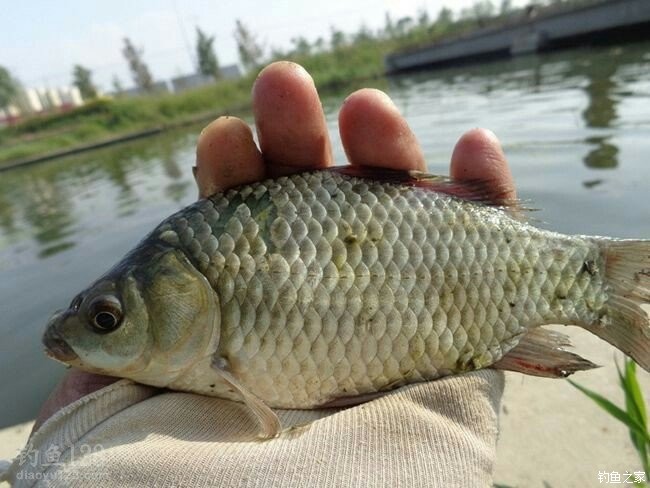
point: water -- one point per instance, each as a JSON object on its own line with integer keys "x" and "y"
{"x": 574, "y": 126}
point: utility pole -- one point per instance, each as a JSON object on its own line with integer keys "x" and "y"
{"x": 181, "y": 27}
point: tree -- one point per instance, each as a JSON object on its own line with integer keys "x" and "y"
{"x": 82, "y": 79}
{"x": 423, "y": 19}
{"x": 117, "y": 85}
{"x": 8, "y": 87}
{"x": 403, "y": 25}
{"x": 139, "y": 70}
{"x": 389, "y": 27}
{"x": 337, "y": 38}
{"x": 445, "y": 17}
{"x": 301, "y": 46}
{"x": 506, "y": 7}
{"x": 207, "y": 59}
{"x": 250, "y": 51}
{"x": 363, "y": 35}
{"x": 319, "y": 45}
{"x": 481, "y": 10}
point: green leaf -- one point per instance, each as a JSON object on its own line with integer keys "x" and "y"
{"x": 614, "y": 411}
{"x": 635, "y": 391}
{"x": 636, "y": 403}
{"x": 636, "y": 412}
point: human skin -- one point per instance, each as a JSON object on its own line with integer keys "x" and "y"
{"x": 293, "y": 136}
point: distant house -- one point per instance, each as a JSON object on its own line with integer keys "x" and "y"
{"x": 230, "y": 72}
{"x": 158, "y": 88}
{"x": 8, "y": 115}
{"x": 46, "y": 101}
{"x": 71, "y": 96}
{"x": 28, "y": 101}
{"x": 187, "y": 82}
{"x": 36, "y": 100}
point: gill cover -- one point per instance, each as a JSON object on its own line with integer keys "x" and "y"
{"x": 183, "y": 316}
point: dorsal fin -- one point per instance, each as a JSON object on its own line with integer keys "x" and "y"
{"x": 486, "y": 192}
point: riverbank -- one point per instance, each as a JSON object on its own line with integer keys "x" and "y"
{"x": 552, "y": 28}
{"x": 109, "y": 121}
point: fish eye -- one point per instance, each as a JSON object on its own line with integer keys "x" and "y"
{"x": 105, "y": 314}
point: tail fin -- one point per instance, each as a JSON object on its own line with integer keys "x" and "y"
{"x": 627, "y": 325}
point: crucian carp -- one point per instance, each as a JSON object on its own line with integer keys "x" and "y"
{"x": 329, "y": 287}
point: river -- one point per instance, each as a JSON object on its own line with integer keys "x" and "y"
{"x": 575, "y": 126}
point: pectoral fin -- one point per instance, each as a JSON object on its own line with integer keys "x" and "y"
{"x": 267, "y": 419}
{"x": 540, "y": 353}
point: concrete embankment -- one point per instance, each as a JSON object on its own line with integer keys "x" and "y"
{"x": 608, "y": 21}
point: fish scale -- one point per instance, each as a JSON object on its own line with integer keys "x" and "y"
{"x": 420, "y": 284}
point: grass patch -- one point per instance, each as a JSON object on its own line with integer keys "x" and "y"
{"x": 105, "y": 118}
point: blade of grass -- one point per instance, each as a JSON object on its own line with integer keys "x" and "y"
{"x": 635, "y": 390}
{"x": 634, "y": 405}
{"x": 614, "y": 411}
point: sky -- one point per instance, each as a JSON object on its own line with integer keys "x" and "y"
{"x": 41, "y": 40}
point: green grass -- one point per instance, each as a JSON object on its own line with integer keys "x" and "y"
{"x": 634, "y": 415}
{"x": 106, "y": 118}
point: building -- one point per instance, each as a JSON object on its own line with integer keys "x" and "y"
{"x": 187, "y": 82}
{"x": 158, "y": 88}
{"x": 196, "y": 80}
{"x": 71, "y": 96}
{"x": 28, "y": 101}
{"x": 9, "y": 114}
{"x": 230, "y": 72}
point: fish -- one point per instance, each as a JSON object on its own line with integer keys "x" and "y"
{"x": 332, "y": 287}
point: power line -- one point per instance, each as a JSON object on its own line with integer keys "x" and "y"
{"x": 179, "y": 19}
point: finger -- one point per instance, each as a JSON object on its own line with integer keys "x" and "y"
{"x": 74, "y": 385}
{"x": 290, "y": 122}
{"x": 478, "y": 156}
{"x": 226, "y": 156}
{"x": 375, "y": 134}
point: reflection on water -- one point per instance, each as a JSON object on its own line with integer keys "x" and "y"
{"x": 44, "y": 203}
{"x": 592, "y": 183}
{"x": 562, "y": 117}
{"x": 600, "y": 89}
{"x": 48, "y": 210}
{"x": 559, "y": 98}
{"x": 604, "y": 155}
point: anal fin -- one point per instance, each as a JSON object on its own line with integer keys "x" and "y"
{"x": 268, "y": 420}
{"x": 540, "y": 353}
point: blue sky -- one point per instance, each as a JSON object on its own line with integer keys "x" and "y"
{"x": 40, "y": 40}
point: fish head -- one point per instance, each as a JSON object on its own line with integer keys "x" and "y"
{"x": 148, "y": 319}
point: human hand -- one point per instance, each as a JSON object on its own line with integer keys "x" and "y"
{"x": 293, "y": 137}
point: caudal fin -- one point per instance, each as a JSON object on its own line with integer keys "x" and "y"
{"x": 626, "y": 325}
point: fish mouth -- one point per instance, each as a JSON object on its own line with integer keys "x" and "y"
{"x": 56, "y": 347}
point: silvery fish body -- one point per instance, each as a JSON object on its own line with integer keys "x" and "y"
{"x": 324, "y": 286}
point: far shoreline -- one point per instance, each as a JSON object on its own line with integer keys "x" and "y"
{"x": 110, "y": 141}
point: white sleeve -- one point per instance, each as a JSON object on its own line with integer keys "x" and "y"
{"x": 441, "y": 433}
